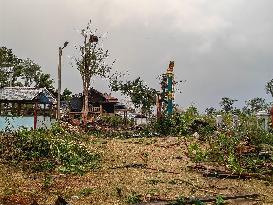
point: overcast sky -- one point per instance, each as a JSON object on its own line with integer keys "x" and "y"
{"x": 222, "y": 48}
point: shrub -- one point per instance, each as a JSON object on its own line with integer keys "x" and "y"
{"x": 112, "y": 120}
{"x": 133, "y": 198}
{"x": 238, "y": 148}
{"x": 184, "y": 123}
{"x": 45, "y": 150}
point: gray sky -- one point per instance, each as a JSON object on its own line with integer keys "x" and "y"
{"x": 222, "y": 48}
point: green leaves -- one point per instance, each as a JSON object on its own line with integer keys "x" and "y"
{"x": 21, "y": 72}
{"x": 45, "y": 150}
{"x": 133, "y": 198}
{"x": 269, "y": 87}
{"x": 227, "y": 104}
{"x": 141, "y": 95}
{"x": 254, "y": 105}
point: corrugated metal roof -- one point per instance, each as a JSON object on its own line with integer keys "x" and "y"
{"x": 25, "y": 94}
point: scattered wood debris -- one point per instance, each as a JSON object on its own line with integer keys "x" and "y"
{"x": 19, "y": 200}
{"x": 217, "y": 173}
{"x": 193, "y": 200}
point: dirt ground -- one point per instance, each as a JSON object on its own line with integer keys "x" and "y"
{"x": 151, "y": 168}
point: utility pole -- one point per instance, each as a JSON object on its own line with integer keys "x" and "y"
{"x": 60, "y": 80}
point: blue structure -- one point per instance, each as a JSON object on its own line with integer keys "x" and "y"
{"x": 170, "y": 96}
{"x": 26, "y": 107}
{"x": 165, "y": 98}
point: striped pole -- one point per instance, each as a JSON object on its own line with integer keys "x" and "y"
{"x": 170, "y": 95}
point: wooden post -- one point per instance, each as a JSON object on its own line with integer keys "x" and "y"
{"x": 126, "y": 116}
{"x": 158, "y": 106}
{"x": 35, "y": 115}
{"x": 101, "y": 110}
{"x": 271, "y": 113}
{"x": 44, "y": 111}
{"x": 18, "y": 109}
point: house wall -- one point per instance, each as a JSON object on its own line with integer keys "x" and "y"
{"x": 15, "y": 123}
{"x": 140, "y": 121}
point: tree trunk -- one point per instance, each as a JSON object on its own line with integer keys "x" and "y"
{"x": 85, "y": 107}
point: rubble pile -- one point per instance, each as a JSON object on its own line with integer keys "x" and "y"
{"x": 71, "y": 127}
{"x": 100, "y": 128}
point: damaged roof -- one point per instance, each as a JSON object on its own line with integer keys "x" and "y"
{"x": 26, "y": 94}
{"x": 104, "y": 97}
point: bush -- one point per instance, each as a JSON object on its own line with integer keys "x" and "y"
{"x": 185, "y": 123}
{"x": 238, "y": 148}
{"x": 133, "y": 198}
{"x": 45, "y": 150}
{"x": 112, "y": 120}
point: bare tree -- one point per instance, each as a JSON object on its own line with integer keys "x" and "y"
{"x": 91, "y": 62}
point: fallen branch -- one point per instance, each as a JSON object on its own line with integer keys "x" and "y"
{"x": 212, "y": 199}
{"x": 210, "y": 172}
{"x": 204, "y": 200}
{"x": 143, "y": 166}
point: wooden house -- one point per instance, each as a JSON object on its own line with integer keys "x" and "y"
{"x": 98, "y": 102}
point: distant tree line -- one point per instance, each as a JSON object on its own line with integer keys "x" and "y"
{"x": 251, "y": 106}
{"x": 22, "y": 72}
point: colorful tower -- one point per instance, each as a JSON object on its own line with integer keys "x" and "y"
{"x": 170, "y": 93}
{"x": 166, "y": 96}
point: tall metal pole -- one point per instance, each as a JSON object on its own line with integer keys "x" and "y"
{"x": 59, "y": 84}
{"x": 60, "y": 80}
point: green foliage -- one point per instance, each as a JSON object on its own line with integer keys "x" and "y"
{"x": 255, "y": 105}
{"x": 233, "y": 163}
{"x": 141, "y": 95}
{"x": 48, "y": 180}
{"x": 154, "y": 181}
{"x": 86, "y": 192}
{"x": 118, "y": 191}
{"x": 269, "y": 87}
{"x": 227, "y": 104}
{"x": 46, "y": 150}
{"x": 9, "y": 67}
{"x": 21, "y": 72}
{"x": 164, "y": 125}
{"x": 92, "y": 56}
{"x": 184, "y": 123}
{"x": 66, "y": 95}
{"x": 112, "y": 120}
{"x": 210, "y": 111}
{"x": 44, "y": 81}
{"x": 133, "y": 198}
{"x": 91, "y": 60}
{"x": 196, "y": 153}
{"x": 237, "y": 148}
{"x": 198, "y": 202}
{"x": 7, "y": 58}
{"x": 8, "y": 191}
{"x": 219, "y": 200}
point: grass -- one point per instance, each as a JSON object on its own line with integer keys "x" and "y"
{"x": 106, "y": 185}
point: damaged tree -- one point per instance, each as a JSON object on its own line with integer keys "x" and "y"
{"x": 141, "y": 95}
{"x": 91, "y": 62}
